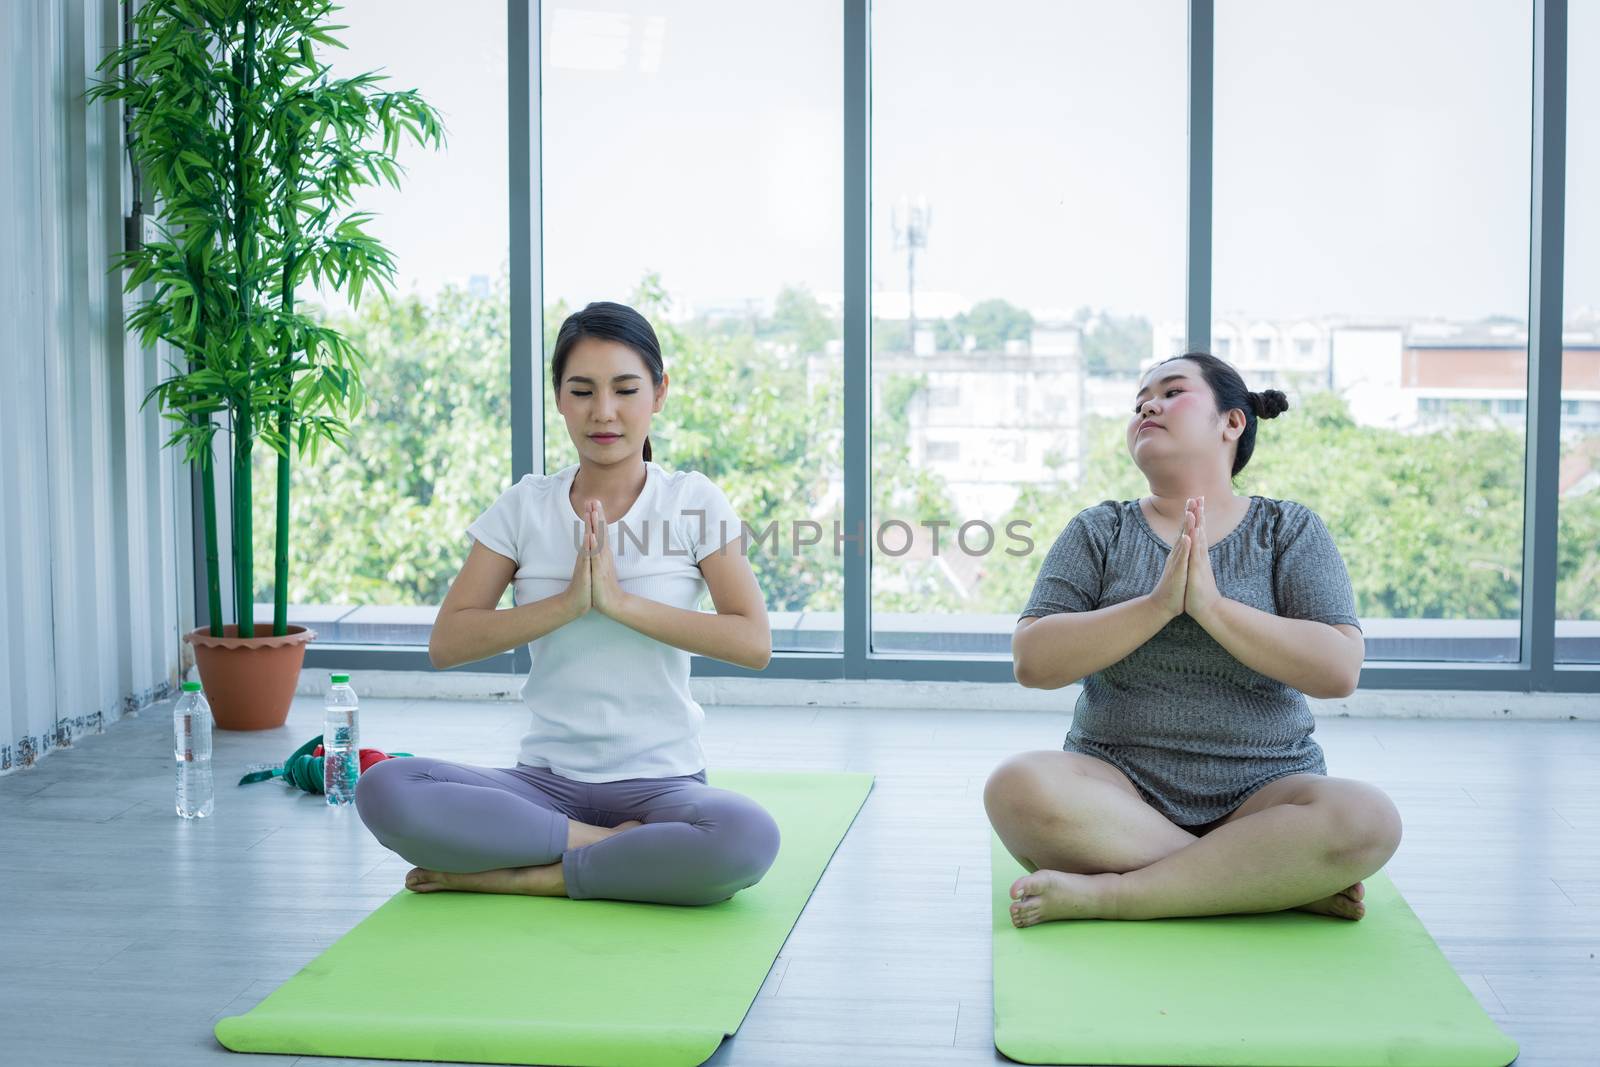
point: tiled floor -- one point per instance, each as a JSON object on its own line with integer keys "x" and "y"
{"x": 128, "y": 931}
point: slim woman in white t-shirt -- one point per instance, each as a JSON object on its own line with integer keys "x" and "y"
{"x": 608, "y": 797}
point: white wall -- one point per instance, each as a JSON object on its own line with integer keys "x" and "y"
{"x": 93, "y": 567}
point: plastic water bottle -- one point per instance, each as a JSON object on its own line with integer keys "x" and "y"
{"x": 341, "y": 742}
{"x": 191, "y": 748}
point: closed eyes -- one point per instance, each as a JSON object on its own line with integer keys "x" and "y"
{"x": 1136, "y": 407}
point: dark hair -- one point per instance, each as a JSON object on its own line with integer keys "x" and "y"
{"x": 609, "y": 322}
{"x": 1231, "y": 393}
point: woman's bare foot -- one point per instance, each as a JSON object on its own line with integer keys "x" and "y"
{"x": 1345, "y": 904}
{"x": 1044, "y": 896}
{"x": 543, "y": 881}
{"x": 1047, "y": 895}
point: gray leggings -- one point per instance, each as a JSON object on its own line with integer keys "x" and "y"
{"x": 699, "y": 844}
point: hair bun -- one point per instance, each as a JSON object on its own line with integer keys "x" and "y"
{"x": 1269, "y": 403}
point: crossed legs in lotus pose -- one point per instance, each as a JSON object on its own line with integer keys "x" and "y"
{"x": 1097, "y": 850}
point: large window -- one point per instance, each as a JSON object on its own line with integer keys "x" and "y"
{"x": 1578, "y": 551}
{"x": 1017, "y": 183}
{"x": 691, "y": 168}
{"x": 378, "y": 529}
{"x": 1027, "y": 232}
{"x": 1371, "y": 261}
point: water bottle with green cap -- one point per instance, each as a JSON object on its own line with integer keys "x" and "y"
{"x": 341, "y": 742}
{"x": 191, "y": 748}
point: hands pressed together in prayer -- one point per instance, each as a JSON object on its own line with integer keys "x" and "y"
{"x": 1187, "y": 585}
{"x": 594, "y": 574}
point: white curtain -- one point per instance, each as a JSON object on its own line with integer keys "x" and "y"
{"x": 96, "y": 572}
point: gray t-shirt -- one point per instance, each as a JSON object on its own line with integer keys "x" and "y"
{"x": 1193, "y": 728}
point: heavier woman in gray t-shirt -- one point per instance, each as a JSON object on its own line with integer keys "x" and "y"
{"x": 1195, "y": 730}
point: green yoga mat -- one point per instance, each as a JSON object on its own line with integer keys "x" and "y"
{"x": 489, "y": 978}
{"x": 1287, "y": 988}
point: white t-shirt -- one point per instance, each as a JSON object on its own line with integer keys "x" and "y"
{"x": 608, "y": 702}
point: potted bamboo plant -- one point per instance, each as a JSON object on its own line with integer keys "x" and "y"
{"x": 253, "y": 153}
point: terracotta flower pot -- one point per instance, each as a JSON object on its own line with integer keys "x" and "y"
{"x": 249, "y": 681}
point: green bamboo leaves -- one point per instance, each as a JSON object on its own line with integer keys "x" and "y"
{"x": 253, "y": 153}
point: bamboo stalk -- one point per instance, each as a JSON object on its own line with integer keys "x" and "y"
{"x": 244, "y": 555}
{"x": 280, "y": 582}
{"x": 233, "y": 519}
{"x": 208, "y": 497}
{"x": 280, "y": 587}
{"x": 242, "y": 499}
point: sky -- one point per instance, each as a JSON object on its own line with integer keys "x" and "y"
{"x": 1372, "y": 158}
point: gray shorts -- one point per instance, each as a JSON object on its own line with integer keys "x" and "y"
{"x": 1195, "y": 792}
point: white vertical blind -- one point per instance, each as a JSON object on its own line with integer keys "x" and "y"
{"x": 94, "y": 551}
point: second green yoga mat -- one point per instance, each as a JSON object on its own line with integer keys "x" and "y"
{"x": 501, "y": 979}
{"x": 1287, "y": 988}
